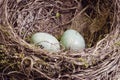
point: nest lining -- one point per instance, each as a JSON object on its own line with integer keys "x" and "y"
{"x": 98, "y": 62}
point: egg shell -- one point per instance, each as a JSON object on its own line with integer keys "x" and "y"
{"x": 72, "y": 40}
{"x": 47, "y": 41}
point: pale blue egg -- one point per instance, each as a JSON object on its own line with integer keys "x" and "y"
{"x": 46, "y": 41}
{"x": 73, "y": 40}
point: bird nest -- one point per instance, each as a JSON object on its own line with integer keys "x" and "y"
{"x": 98, "y": 21}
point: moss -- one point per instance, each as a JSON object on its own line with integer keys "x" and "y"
{"x": 57, "y": 14}
{"x": 84, "y": 61}
{"x": 28, "y": 39}
{"x": 117, "y": 43}
{"x": 4, "y": 30}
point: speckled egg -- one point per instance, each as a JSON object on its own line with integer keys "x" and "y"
{"x": 46, "y": 41}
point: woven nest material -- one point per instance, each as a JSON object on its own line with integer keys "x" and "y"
{"x": 21, "y": 60}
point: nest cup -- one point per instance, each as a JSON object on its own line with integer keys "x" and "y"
{"x": 97, "y": 21}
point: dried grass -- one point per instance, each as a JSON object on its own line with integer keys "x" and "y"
{"x": 21, "y": 60}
